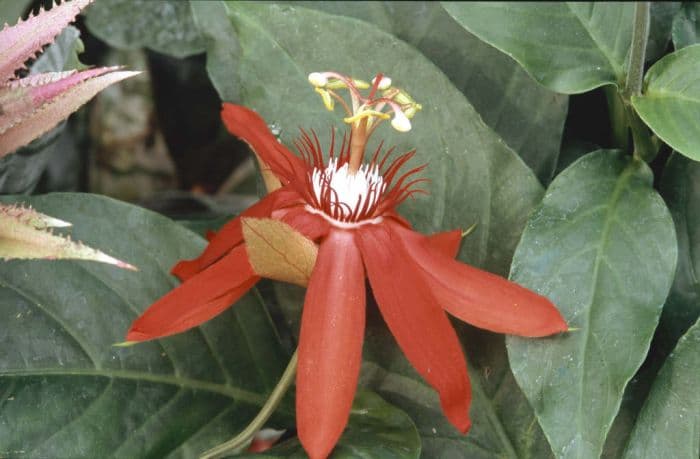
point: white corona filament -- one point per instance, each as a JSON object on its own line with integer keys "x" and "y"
{"x": 350, "y": 189}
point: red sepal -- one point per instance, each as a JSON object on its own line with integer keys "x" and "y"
{"x": 420, "y": 327}
{"x": 200, "y": 298}
{"x": 478, "y": 297}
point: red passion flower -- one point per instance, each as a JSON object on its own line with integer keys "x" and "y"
{"x": 348, "y": 206}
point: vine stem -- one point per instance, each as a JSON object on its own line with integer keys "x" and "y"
{"x": 246, "y": 435}
{"x": 640, "y": 35}
{"x": 644, "y": 148}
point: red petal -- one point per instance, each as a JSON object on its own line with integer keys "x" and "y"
{"x": 447, "y": 242}
{"x": 481, "y": 298}
{"x": 421, "y": 328}
{"x": 250, "y": 127}
{"x": 197, "y": 300}
{"x": 231, "y": 234}
{"x": 330, "y": 345}
{"x": 310, "y": 225}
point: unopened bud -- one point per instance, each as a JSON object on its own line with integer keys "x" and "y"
{"x": 318, "y": 79}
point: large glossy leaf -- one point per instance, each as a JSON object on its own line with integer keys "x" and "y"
{"x": 668, "y": 423}
{"x": 602, "y": 247}
{"x": 529, "y": 117}
{"x": 165, "y": 26}
{"x": 503, "y": 426}
{"x": 375, "y": 429}
{"x": 221, "y": 44}
{"x": 686, "y": 25}
{"x": 569, "y": 47}
{"x": 670, "y": 103}
{"x": 680, "y": 187}
{"x": 469, "y": 165}
{"x": 66, "y": 391}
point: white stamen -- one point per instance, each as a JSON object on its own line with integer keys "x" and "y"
{"x": 350, "y": 189}
{"x": 318, "y": 79}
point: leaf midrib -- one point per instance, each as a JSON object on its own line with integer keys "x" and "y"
{"x": 233, "y": 392}
{"x": 666, "y": 94}
{"x": 617, "y": 68}
{"x": 620, "y": 186}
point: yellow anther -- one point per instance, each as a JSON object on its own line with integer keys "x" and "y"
{"x": 327, "y": 99}
{"x": 336, "y": 84}
{"x": 404, "y": 99}
{"x": 361, "y": 84}
{"x": 366, "y": 114}
{"x": 412, "y": 110}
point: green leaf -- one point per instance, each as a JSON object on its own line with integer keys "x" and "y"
{"x": 221, "y": 44}
{"x": 203, "y": 225}
{"x": 679, "y": 188}
{"x": 570, "y": 47}
{"x": 165, "y": 26}
{"x": 66, "y": 391}
{"x": 686, "y": 25}
{"x": 529, "y": 117}
{"x": 469, "y": 165}
{"x": 375, "y": 429}
{"x": 602, "y": 247}
{"x": 670, "y": 103}
{"x": 62, "y": 54}
{"x": 668, "y": 423}
{"x": 503, "y": 424}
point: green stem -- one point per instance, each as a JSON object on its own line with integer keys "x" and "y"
{"x": 644, "y": 147}
{"x": 243, "y": 438}
{"x": 640, "y": 35}
{"x": 618, "y": 117}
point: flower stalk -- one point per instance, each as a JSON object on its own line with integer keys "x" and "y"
{"x": 245, "y": 437}
{"x": 640, "y": 36}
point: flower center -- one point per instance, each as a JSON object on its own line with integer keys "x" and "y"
{"x": 345, "y": 196}
{"x": 365, "y": 112}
